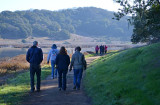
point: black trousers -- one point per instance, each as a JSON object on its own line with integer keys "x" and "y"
{"x": 35, "y": 69}
{"x": 62, "y": 80}
{"x": 96, "y": 52}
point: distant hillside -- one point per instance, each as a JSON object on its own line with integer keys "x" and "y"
{"x": 58, "y": 25}
{"x": 130, "y": 77}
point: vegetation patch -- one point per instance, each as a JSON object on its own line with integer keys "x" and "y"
{"x": 15, "y": 89}
{"x": 58, "y": 25}
{"x": 89, "y": 55}
{"x": 129, "y": 77}
{"x": 16, "y": 64}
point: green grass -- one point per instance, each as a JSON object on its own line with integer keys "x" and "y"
{"x": 130, "y": 77}
{"x": 16, "y": 88}
{"x": 94, "y": 54}
{"x": 90, "y": 55}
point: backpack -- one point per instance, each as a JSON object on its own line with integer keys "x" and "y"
{"x": 54, "y": 53}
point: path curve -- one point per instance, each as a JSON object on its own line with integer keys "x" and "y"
{"x": 50, "y": 95}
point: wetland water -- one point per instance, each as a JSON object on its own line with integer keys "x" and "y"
{"x": 11, "y": 52}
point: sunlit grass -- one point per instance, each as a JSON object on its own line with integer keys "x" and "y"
{"x": 94, "y": 54}
{"x": 130, "y": 77}
{"x": 15, "y": 64}
{"x": 15, "y": 89}
{"x": 90, "y": 55}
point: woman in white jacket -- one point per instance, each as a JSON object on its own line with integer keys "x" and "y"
{"x": 52, "y": 56}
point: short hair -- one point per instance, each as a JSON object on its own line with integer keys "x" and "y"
{"x": 35, "y": 43}
{"x": 78, "y": 48}
{"x": 54, "y": 46}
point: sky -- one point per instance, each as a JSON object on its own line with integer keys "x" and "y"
{"x": 13, "y": 5}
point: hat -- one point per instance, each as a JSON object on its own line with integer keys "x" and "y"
{"x": 35, "y": 43}
{"x": 54, "y": 46}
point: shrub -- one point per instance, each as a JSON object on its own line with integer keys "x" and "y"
{"x": 23, "y": 41}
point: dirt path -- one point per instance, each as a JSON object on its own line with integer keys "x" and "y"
{"x": 50, "y": 95}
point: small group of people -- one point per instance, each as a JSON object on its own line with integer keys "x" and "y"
{"x": 60, "y": 62}
{"x": 102, "y": 49}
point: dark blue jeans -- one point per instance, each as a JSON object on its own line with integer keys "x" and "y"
{"x": 53, "y": 68}
{"x": 35, "y": 69}
{"x": 62, "y": 79}
{"x": 77, "y": 77}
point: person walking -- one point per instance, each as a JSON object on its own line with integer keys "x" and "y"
{"x": 52, "y": 56}
{"x": 101, "y": 49}
{"x": 62, "y": 63}
{"x": 78, "y": 63}
{"x": 97, "y": 49}
{"x": 35, "y": 56}
{"x": 105, "y": 48}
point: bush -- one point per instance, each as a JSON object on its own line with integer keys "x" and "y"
{"x": 16, "y": 63}
{"x": 23, "y": 41}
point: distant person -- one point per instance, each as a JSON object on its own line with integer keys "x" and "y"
{"x": 105, "y": 48}
{"x": 35, "y": 57}
{"x": 62, "y": 63}
{"x": 78, "y": 63}
{"x": 101, "y": 49}
{"x": 52, "y": 56}
{"x": 97, "y": 49}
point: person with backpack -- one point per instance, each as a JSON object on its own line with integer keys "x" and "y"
{"x": 35, "y": 56}
{"x": 78, "y": 63}
{"x": 62, "y": 63}
{"x": 52, "y": 56}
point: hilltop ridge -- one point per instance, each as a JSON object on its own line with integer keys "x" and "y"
{"x": 58, "y": 25}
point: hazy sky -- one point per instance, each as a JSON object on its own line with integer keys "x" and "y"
{"x": 13, "y": 5}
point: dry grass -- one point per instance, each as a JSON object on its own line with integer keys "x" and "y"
{"x": 47, "y": 42}
{"x": 16, "y": 63}
{"x": 19, "y": 63}
{"x": 3, "y": 71}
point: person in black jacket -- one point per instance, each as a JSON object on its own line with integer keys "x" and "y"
{"x": 62, "y": 63}
{"x": 35, "y": 57}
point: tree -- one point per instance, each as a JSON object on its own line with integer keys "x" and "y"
{"x": 144, "y": 17}
{"x": 89, "y": 21}
{"x": 63, "y": 34}
{"x": 54, "y": 26}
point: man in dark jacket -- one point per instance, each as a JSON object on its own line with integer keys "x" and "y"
{"x": 35, "y": 57}
{"x": 78, "y": 63}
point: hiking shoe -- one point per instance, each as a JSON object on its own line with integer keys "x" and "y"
{"x": 64, "y": 89}
{"x": 32, "y": 91}
{"x": 78, "y": 88}
{"x": 38, "y": 90}
{"x": 74, "y": 87}
{"x": 59, "y": 89}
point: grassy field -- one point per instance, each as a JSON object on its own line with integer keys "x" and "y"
{"x": 130, "y": 77}
{"x": 15, "y": 89}
{"x": 74, "y": 40}
{"x": 19, "y": 63}
{"x": 90, "y": 55}
{"x": 16, "y": 64}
